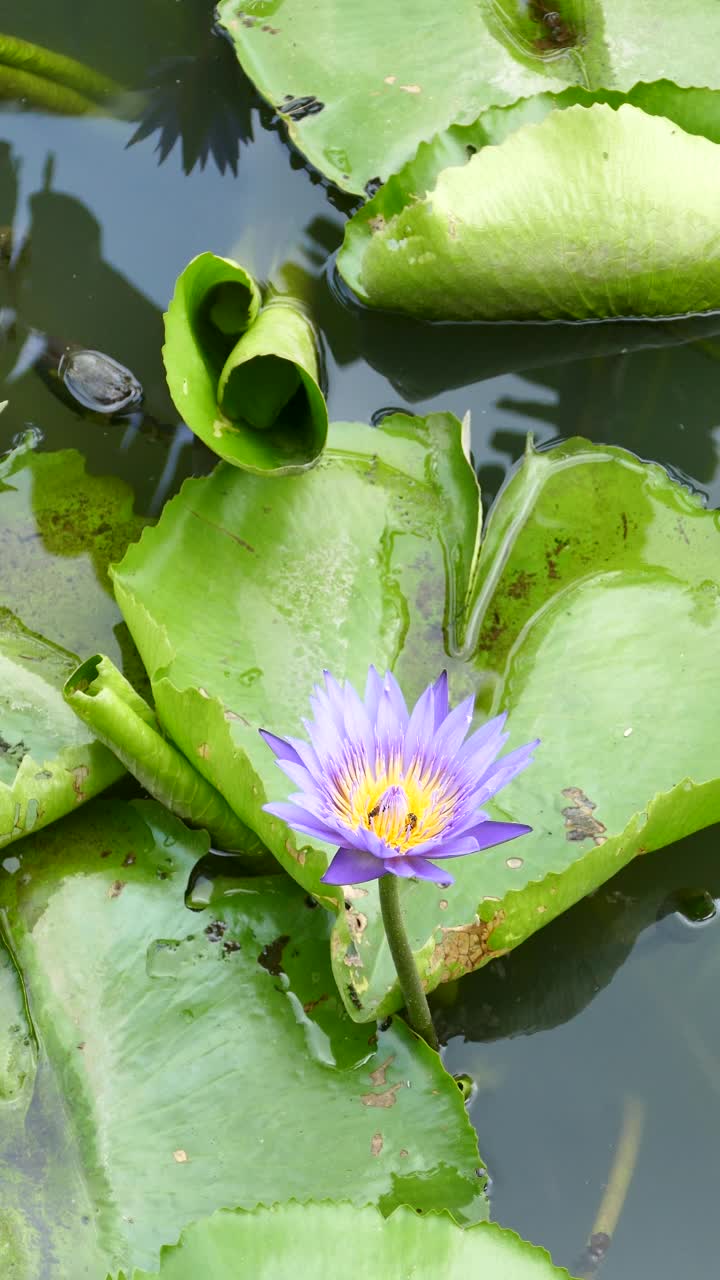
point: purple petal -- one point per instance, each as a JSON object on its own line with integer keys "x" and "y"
{"x": 485, "y": 741}
{"x": 421, "y": 726}
{"x": 397, "y": 701}
{"x": 453, "y": 847}
{"x": 388, "y": 731}
{"x": 352, "y": 866}
{"x": 373, "y": 690}
{"x": 357, "y": 722}
{"x": 440, "y": 694}
{"x": 484, "y": 836}
{"x": 451, "y": 733}
{"x": 282, "y": 749}
{"x": 300, "y": 820}
{"x": 417, "y": 868}
{"x": 298, "y": 774}
{"x": 499, "y": 774}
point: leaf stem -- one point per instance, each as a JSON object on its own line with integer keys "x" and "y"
{"x": 415, "y": 999}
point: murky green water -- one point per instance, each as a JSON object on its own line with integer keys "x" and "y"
{"x": 607, "y": 1013}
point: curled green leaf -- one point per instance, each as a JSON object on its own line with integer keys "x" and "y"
{"x": 102, "y": 697}
{"x": 245, "y": 380}
{"x": 572, "y": 217}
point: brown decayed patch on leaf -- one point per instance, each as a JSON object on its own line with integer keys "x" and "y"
{"x": 297, "y": 854}
{"x": 116, "y": 888}
{"x": 80, "y": 776}
{"x": 463, "y": 947}
{"x": 379, "y": 1075}
{"x": 579, "y": 821}
{"x": 376, "y": 1144}
{"x": 386, "y": 1099}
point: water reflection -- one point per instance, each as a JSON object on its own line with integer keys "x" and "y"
{"x": 627, "y": 992}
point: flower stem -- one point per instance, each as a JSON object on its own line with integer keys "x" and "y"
{"x": 415, "y": 999}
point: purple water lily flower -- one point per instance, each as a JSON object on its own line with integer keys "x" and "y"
{"x": 393, "y": 789}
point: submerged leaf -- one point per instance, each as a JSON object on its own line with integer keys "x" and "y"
{"x": 596, "y": 573}
{"x": 245, "y": 380}
{"x": 195, "y": 1060}
{"x": 281, "y": 1241}
{"x": 573, "y": 217}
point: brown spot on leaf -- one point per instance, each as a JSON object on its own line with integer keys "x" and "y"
{"x": 463, "y": 947}
{"x": 80, "y": 775}
{"x": 313, "y": 1004}
{"x": 116, "y": 888}
{"x": 379, "y": 1075}
{"x": 129, "y": 860}
{"x": 376, "y": 1144}
{"x": 624, "y": 519}
{"x": 521, "y": 585}
{"x": 298, "y": 855}
{"x": 271, "y": 955}
{"x": 579, "y": 821}
{"x": 386, "y": 1099}
{"x": 404, "y": 1152}
{"x": 443, "y": 904}
{"x": 377, "y": 223}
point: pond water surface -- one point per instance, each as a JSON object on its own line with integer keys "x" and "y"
{"x": 609, "y": 1016}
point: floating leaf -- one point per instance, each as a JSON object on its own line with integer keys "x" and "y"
{"x": 190, "y": 1061}
{"x": 596, "y": 574}
{"x": 60, "y": 528}
{"x": 608, "y": 235}
{"x": 281, "y": 1240}
{"x": 49, "y": 762}
{"x": 117, "y": 715}
{"x": 358, "y": 92}
{"x": 244, "y": 380}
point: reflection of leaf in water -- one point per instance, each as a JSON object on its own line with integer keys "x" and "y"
{"x": 202, "y": 100}
{"x": 554, "y": 975}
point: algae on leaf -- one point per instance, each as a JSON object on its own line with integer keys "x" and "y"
{"x": 191, "y": 1060}
{"x": 573, "y": 218}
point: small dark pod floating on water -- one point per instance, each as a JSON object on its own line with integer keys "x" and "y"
{"x": 99, "y": 383}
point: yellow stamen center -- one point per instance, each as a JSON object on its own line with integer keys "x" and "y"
{"x": 404, "y": 808}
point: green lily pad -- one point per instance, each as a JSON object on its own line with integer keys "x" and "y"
{"x": 608, "y": 235}
{"x": 60, "y": 528}
{"x": 245, "y": 380}
{"x": 593, "y": 609}
{"x": 343, "y": 569}
{"x": 190, "y": 1061}
{"x": 281, "y": 1240}
{"x": 49, "y": 762}
{"x": 359, "y": 88}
